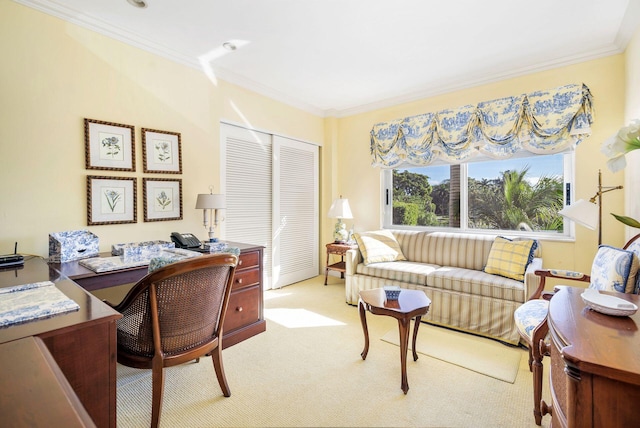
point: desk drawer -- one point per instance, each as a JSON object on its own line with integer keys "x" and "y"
{"x": 248, "y": 260}
{"x": 245, "y": 278}
{"x": 243, "y": 309}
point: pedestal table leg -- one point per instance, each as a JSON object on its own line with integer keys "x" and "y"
{"x": 363, "y": 320}
{"x": 403, "y": 325}
{"x": 415, "y": 337}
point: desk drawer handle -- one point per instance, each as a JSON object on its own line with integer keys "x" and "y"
{"x": 240, "y": 262}
{"x": 239, "y": 280}
{"x": 239, "y": 309}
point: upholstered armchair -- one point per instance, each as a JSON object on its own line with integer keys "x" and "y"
{"x": 613, "y": 269}
{"x": 173, "y": 315}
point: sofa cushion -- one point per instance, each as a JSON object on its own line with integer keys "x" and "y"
{"x": 614, "y": 269}
{"x": 378, "y": 246}
{"x": 478, "y": 283}
{"x": 510, "y": 258}
{"x": 409, "y": 272}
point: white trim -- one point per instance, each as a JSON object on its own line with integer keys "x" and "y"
{"x": 49, "y": 7}
{"x": 264, "y": 131}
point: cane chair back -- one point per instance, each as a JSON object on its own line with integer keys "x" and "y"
{"x": 174, "y": 315}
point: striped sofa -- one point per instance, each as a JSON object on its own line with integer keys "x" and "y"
{"x": 448, "y": 267}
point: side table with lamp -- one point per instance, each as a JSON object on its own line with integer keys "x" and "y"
{"x": 342, "y": 238}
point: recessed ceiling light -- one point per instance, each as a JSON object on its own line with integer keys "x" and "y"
{"x": 138, "y": 3}
{"x": 229, "y": 46}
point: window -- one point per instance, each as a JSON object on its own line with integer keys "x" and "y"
{"x": 518, "y": 196}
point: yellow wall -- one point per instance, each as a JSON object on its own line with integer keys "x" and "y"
{"x": 54, "y": 74}
{"x": 605, "y": 77}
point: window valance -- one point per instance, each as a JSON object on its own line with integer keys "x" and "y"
{"x": 541, "y": 122}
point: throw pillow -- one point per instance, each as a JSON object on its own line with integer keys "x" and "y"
{"x": 378, "y": 246}
{"x": 614, "y": 269}
{"x": 634, "y": 247}
{"x": 510, "y": 258}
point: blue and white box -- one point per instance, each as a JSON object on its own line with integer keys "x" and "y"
{"x": 72, "y": 245}
{"x": 138, "y": 251}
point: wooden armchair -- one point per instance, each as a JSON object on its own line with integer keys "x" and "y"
{"x": 173, "y": 315}
{"x": 531, "y": 318}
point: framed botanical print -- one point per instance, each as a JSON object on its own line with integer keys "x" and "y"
{"x": 162, "y": 199}
{"x": 161, "y": 151}
{"x": 111, "y": 200}
{"x": 109, "y": 146}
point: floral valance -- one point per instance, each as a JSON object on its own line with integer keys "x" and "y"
{"x": 541, "y": 122}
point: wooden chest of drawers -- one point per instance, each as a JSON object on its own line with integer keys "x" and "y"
{"x": 245, "y": 317}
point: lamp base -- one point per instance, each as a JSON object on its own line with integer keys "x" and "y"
{"x": 340, "y": 233}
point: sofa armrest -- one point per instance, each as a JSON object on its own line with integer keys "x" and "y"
{"x": 533, "y": 286}
{"x": 352, "y": 258}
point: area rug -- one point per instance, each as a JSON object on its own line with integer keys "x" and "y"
{"x": 478, "y": 354}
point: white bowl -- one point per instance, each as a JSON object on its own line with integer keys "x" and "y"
{"x": 607, "y": 304}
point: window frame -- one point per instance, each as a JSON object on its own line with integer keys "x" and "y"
{"x": 568, "y": 233}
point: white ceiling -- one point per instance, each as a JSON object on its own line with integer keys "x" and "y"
{"x": 339, "y": 57}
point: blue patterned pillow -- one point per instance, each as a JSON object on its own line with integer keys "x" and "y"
{"x": 614, "y": 269}
{"x": 634, "y": 247}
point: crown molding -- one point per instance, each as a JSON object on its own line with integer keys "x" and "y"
{"x": 624, "y": 35}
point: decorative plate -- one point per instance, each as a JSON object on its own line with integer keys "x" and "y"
{"x": 607, "y": 304}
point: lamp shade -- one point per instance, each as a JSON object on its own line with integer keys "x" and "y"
{"x": 211, "y": 201}
{"x": 340, "y": 209}
{"x": 582, "y": 212}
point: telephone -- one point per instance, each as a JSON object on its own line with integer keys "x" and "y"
{"x": 185, "y": 240}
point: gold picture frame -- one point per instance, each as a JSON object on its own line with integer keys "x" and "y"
{"x": 161, "y": 151}
{"x": 109, "y": 145}
{"x": 162, "y": 199}
{"x": 111, "y": 200}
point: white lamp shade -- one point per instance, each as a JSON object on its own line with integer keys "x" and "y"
{"x": 582, "y": 212}
{"x": 211, "y": 201}
{"x": 340, "y": 209}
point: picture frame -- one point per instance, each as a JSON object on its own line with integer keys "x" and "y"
{"x": 162, "y": 199}
{"x": 109, "y": 146}
{"x": 162, "y": 151}
{"x": 111, "y": 200}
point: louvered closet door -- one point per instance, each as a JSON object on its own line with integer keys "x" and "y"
{"x": 271, "y": 187}
{"x": 247, "y": 183}
{"x": 296, "y": 203}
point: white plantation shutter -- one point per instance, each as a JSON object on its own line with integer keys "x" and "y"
{"x": 297, "y": 216}
{"x": 271, "y": 188}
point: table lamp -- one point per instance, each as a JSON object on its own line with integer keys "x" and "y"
{"x": 211, "y": 203}
{"x": 340, "y": 209}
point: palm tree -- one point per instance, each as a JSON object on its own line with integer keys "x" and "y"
{"x": 512, "y": 203}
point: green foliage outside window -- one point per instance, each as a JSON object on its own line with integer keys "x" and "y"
{"x": 510, "y": 202}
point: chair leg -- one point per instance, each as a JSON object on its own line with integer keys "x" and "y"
{"x": 537, "y": 389}
{"x": 216, "y": 355}
{"x": 529, "y": 347}
{"x": 158, "y": 390}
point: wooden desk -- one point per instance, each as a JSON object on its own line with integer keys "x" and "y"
{"x": 37, "y": 393}
{"x": 595, "y": 364}
{"x": 83, "y": 343}
{"x": 245, "y": 316}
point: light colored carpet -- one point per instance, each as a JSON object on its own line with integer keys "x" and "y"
{"x": 306, "y": 371}
{"x": 481, "y": 355}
